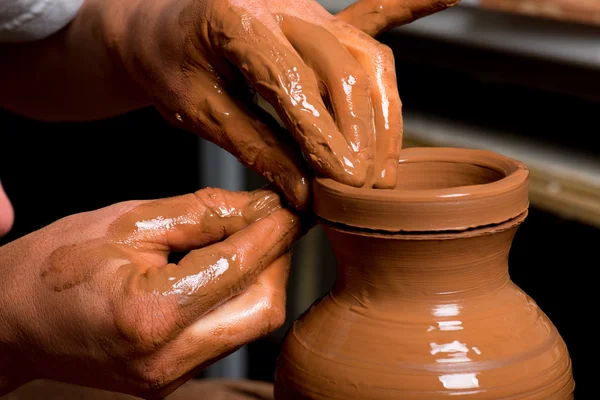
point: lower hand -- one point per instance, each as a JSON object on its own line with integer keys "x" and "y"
{"x": 93, "y": 300}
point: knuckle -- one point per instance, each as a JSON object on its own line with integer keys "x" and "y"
{"x": 152, "y": 377}
{"x": 363, "y": 82}
{"x": 214, "y": 202}
{"x": 254, "y": 154}
{"x": 383, "y": 52}
{"x": 144, "y": 326}
{"x": 211, "y": 197}
{"x": 155, "y": 375}
{"x": 275, "y": 313}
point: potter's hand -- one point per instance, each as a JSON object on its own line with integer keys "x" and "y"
{"x": 189, "y": 57}
{"x": 92, "y": 299}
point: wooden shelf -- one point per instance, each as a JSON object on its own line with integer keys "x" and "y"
{"x": 566, "y": 184}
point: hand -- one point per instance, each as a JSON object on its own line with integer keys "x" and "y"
{"x": 333, "y": 86}
{"x": 93, "y": 300}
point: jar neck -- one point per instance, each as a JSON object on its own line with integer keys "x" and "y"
{"x": 380, "y": 268}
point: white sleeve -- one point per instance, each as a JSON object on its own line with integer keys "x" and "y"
{"x": 27, "y": 20}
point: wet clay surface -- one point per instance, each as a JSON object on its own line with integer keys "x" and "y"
{"x": 423, "y": 318}
{"x": 333, "y": 87}
{"x": 156, "y": 228}
{"x": 430, "y": 313}
{"x": 292, "y": 87}
{"x": 437, "y": 189}
{"x": 135, "y": 248}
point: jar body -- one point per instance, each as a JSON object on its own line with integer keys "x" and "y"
{"x": 426, "y": 318}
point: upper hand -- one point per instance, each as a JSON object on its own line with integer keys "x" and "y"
{"x": 93, "y": 300}
{"x": 332, "y": 85}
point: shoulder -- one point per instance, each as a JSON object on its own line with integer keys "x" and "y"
{"x": 27, "y": 20}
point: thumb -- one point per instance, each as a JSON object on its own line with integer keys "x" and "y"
{"x": 375, "y": 16}
{"x": 207, "y": 277}
{"x": 194, "y": 220}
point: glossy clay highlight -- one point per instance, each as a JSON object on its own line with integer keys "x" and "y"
{"x": 423, "y": 306}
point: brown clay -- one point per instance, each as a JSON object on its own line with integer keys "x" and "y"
{"x": 427, "y": 309}
{"x": 443, "y": 187}
{"x": 287, "y": 82}
{"x": 302, "y": 55}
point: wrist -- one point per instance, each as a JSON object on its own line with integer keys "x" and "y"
{"x": 12, "y": 364}
{"x": 71, "y": 75}
{"x": 128, "y": 35}
{"x": 147, "y": 41}
{"x": 109, "y": 21}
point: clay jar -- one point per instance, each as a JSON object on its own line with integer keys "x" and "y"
{"x": 423, "y": 306}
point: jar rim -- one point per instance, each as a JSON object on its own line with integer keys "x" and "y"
{"x": 454, "y": 208}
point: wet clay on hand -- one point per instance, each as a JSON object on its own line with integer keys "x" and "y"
{"x": 333, "y": 86}
{"x": 104, "y": 295}
{"x": 423, "y": 306}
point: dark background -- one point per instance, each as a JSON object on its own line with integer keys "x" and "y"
{"x": 53, "y": 170}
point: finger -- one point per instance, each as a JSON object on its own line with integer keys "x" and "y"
{"x": 193, "y": 220}
{"x": 279, "y": 75}
{"x": 212, "y": 112}
{"x": 348, "y": 86}
{"x": 206, "y": 278}
{"x": 376, "y": 16}
{"x": 377, "y": 60}
{"x": 254, "y": 313}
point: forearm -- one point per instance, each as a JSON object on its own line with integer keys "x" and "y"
{"x": 71, "y": 75}
{"x": 15, "y": 364}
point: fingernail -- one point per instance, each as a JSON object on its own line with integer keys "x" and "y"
{"x": 354, "y": 172}
{"x": 262, "y": 206}
{"x": 388, "y": 175}
{"x": 296, "y": 190}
